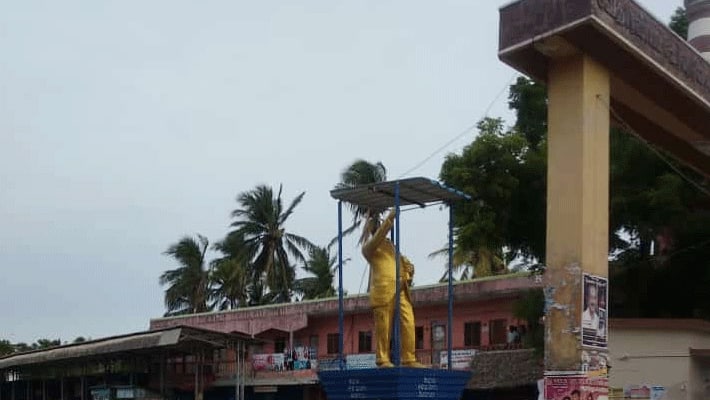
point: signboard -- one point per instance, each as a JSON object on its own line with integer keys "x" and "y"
{"x": 460, "y": 359}
{"x": 595, "y": 301}
{"x": 268, "y": 362}
{"x": 265, "y": 389}
{"x": 658, "y": 392}
{"x": 564, "y": 386}
{"x": 101, "y": 394}
{"x": 125, "y": 393}
{"x": 360, "y": 361}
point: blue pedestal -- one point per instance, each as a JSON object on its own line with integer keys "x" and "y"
{"x": 394, "y": 384}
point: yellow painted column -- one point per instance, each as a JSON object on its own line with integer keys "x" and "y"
{"x": 577, "y": 199}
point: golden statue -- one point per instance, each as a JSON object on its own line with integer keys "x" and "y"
{"x": 379, "y": 252}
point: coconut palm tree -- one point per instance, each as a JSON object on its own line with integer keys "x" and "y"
{"x": 260, "y": 220}
{"x": 473, "y": 263}
{"x": 361, "y": 172}
{"x": 230, "y": 280}
{"x": 320, "y": 264}
{"x": 188, "y": 284}
{"x": 230, "y": 273}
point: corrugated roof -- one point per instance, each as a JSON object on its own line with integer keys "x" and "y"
{"x": 412, "y": 191}
{"x": 163, "y": 338}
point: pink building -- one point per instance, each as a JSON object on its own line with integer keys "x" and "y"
{"x": 482, "y": 315}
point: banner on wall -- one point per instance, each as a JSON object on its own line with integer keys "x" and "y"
{"x": 297, "y": 359}
{"x": 460, "y": 359}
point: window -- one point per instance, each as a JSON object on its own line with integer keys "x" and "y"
{"x": 419, "y": 337}
{"x": 333, "y": 343}
{"x": 364, "y": 342}
{"x": 472, "y": 334}
{"x": 497, "y": 331}
{"x": 279, "y": 345}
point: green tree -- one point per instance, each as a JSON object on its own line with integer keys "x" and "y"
{"x": 230, "y": 273}
{"x": 6, "y": 347}
{"x": 679, "y": 22}
{"x": 188, "y": 284}
{"x": 320, "y": 265}
{"x": 499, "y": 169}
{"x": 530, "y": 308}
{"x": 361, "y": 172}
{"x": 80, "y": 339}
{"x": 261, "y": 220}
{"x": 22, "y": 347}
{"x": 469, "y": 264}
{"x": 659, "y": 241}
{"x": 46, "y": 343}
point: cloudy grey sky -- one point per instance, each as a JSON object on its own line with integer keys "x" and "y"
{"x": 125, "y": 125}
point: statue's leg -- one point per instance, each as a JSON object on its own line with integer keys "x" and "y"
{"x": 408, "y": 337}
{"x": 383, "y": 322}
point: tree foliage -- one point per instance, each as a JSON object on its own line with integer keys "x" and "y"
{"x": 6, "y": 347}
{"x": 188, "y": 284}
{"x": 530, "y": 308}
{"x": 505, "y": 174}
{"x": 320, "y": 266}
{"x": 679, "y": 22}
{"x": 260, "y": 220}
{"x": 659, "y": 236}
{"x": 361, "y": 172}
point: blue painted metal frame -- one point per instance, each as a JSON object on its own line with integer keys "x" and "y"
{"x": 341, "y": 311}
{"x": 398, "y": 287}
{"x": 449, "y": 339}
{"x": 395, "y": 234}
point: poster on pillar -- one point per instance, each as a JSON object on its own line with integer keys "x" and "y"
{"x": 595, "y": 310}
{"x": 575, "y": 386}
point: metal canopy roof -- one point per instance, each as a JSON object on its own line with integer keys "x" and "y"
{"x": 412, "y": 191}
{"x": 170, "y": 338}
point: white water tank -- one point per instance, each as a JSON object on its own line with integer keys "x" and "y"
{"x": 699, "y": 25}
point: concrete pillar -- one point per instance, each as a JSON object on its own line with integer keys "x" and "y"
{"x": 577, "y": 199}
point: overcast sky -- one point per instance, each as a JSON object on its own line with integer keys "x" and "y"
{"x": 125, "y": 125}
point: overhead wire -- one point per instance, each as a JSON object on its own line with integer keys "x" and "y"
{"x": 463, "y": 132}
{"x": 653, "y": 148}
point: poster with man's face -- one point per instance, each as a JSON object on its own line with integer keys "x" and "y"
{"x": 594, "y": 311}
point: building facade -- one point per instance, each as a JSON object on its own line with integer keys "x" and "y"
{"x": 302, "y": 337}
{"x": 671, "y": 354}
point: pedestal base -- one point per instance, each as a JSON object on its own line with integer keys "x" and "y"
{"x": 394, "y": 383}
